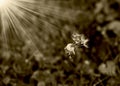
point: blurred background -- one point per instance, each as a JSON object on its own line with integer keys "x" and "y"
{"x": 32, "y": 45}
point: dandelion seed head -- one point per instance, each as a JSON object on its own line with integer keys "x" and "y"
{"x": 70, "y": 49}
{"x": 76, "y": 38}
{"x": 84, "y": 41}
{"x": 80, "y": 39}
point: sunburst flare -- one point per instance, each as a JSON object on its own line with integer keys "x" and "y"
{"x": 18, "y": 20}
{"x": 14, "y": 14}
{"x": 4, "y": 3}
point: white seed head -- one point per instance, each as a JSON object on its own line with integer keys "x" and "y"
{"x": 80, "y": 39}
{"x": 70, "y": 48}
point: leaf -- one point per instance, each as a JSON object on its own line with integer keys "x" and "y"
{"x": 115, "y": 26}
{"x": 109, "y": 68}
{"x": 41, "y": 83}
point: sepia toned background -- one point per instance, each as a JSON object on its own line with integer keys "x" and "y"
{"x": 33, "y": 38}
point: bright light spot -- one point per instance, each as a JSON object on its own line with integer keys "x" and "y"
{"x": 4, "y": 3}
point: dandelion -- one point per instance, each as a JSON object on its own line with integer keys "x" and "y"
{"x": 76, "y": 38}
{"x": 70, "y": 49}
{"x": 84, "y": 41}
{"x": 80, "y": 39}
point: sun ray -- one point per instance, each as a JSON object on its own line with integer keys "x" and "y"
{"x": 4, "y": 3}
{"x": 19, "y": 14}
{"x": 4, "y": 29}
{"x": 23, "y": 30}
{"x": 29, "y": 10}
{"x": 43, "y": 9}
{"x": 13, "y": 30}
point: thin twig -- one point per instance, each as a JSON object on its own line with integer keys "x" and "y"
{"x": 100, "y": 81}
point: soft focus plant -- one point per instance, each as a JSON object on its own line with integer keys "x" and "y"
{"x": 78, "y": 40}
